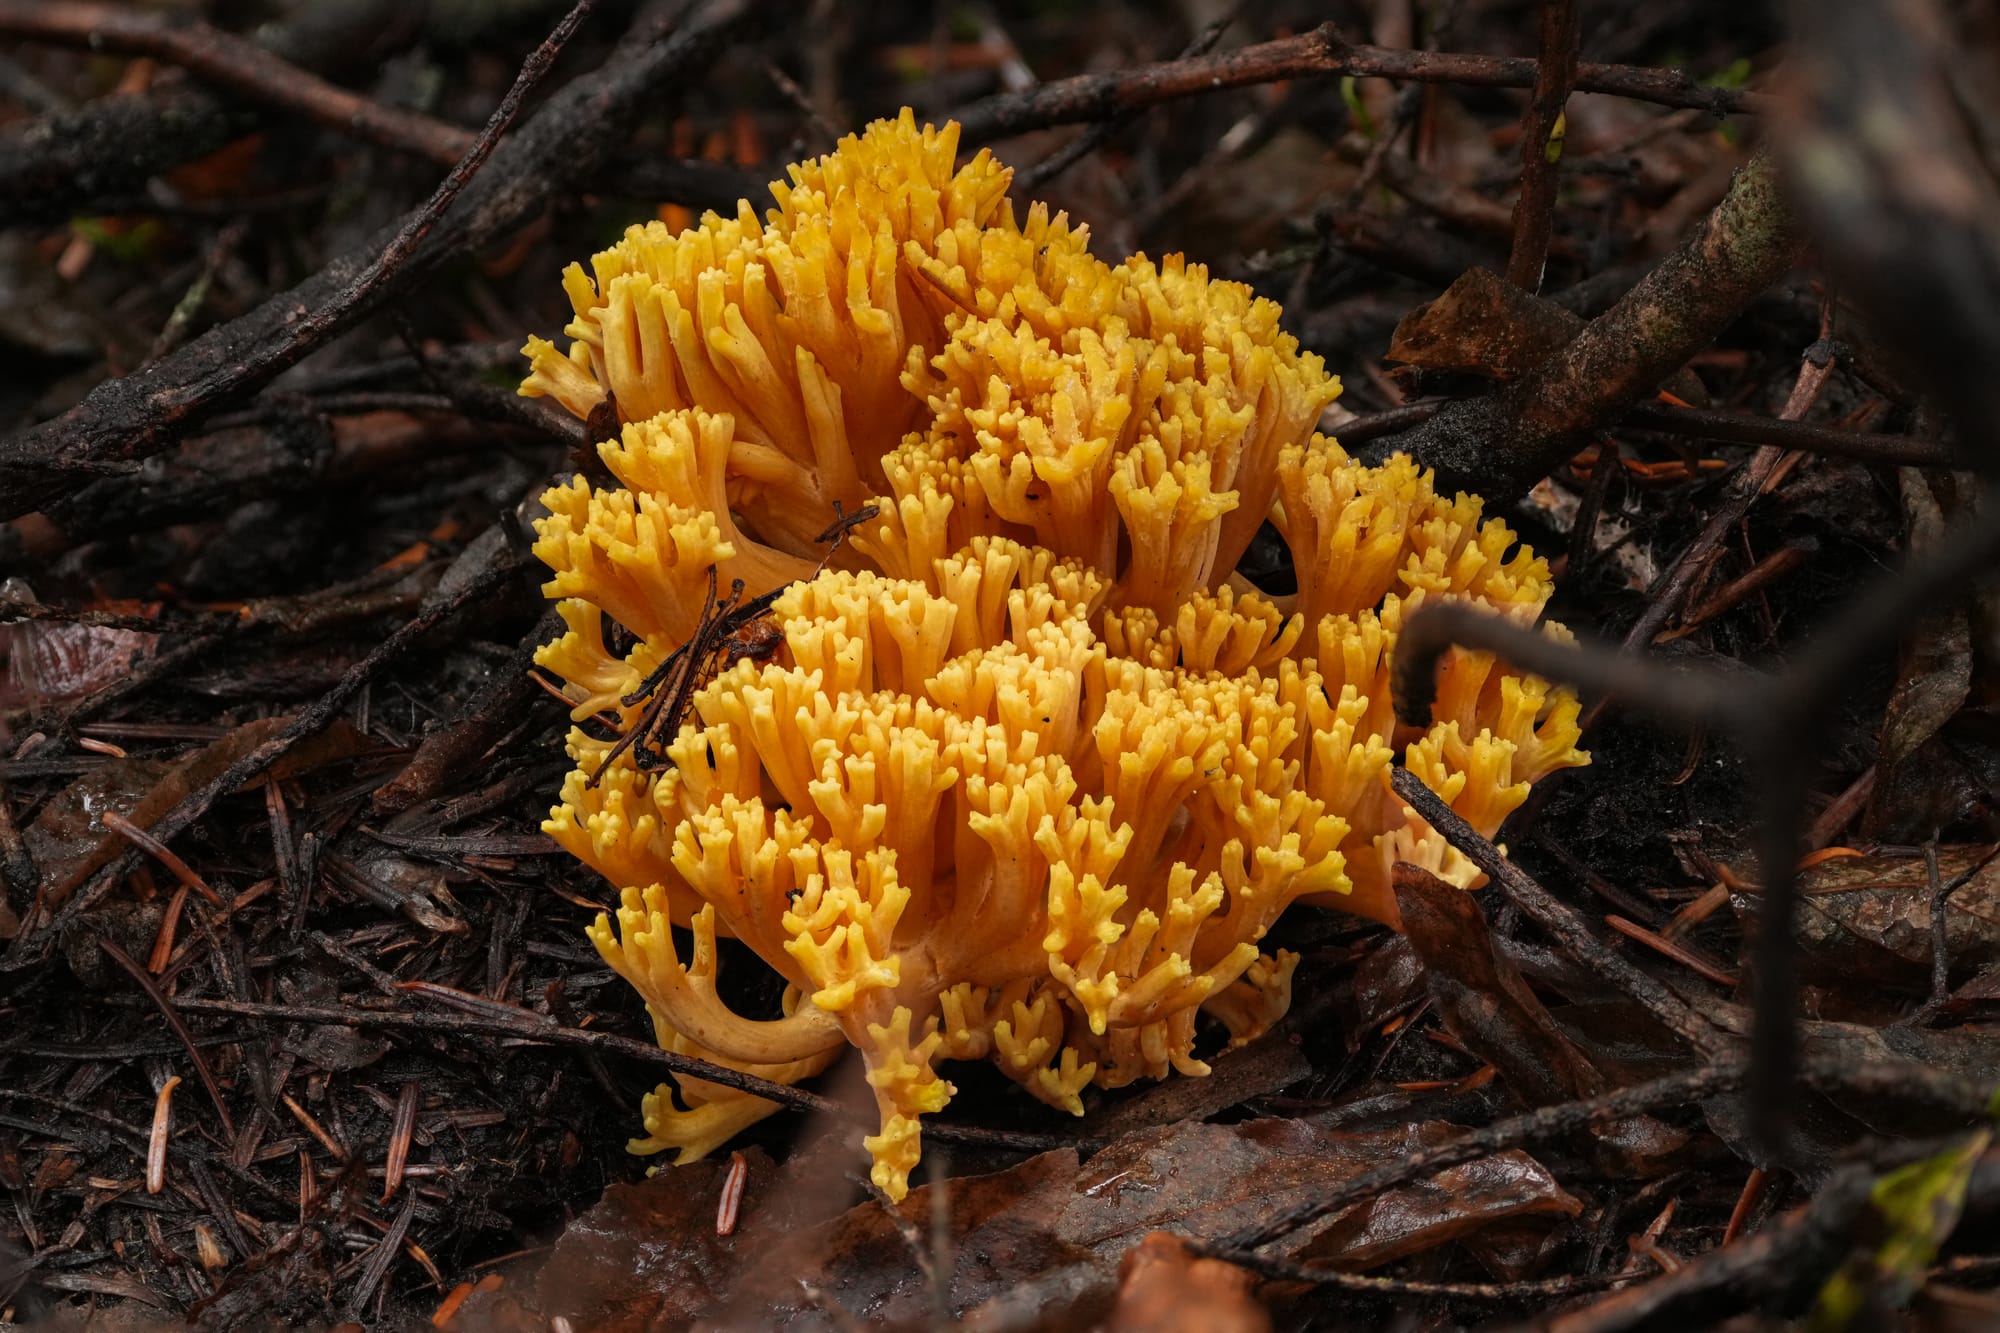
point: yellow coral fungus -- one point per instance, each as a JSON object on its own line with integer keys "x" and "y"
{"x": 1030, "y": 772}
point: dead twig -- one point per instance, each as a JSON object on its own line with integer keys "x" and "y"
{"x": 1094, "y": 138}
{"x": 177, "y": 1023}
{"x": 1497, "y": 445}
{"x": 1789, "y": 1258}
{"x": 320, "y": 322}
{"x": 1321, "y": 53}
{"x": 1541, "y": 144}
{"x": 485, "y": 717}
{"x": 231, "y": 62}
{"x": 524, "y": 1025}
{"x": 1708, "y": 424}
{"x": 1678, "y": 584}
{"x": 1563, "y": 925}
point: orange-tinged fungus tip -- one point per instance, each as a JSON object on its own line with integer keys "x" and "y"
{"x": 1020, "y": 768}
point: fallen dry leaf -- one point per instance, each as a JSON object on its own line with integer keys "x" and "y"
{"x": 1868, "y": 918}
{"x": 70, "y": 843}
{"x": 1481, "y": 996}
{"x": 1209, "y": 1181}
{"x": 1037, "y": 1246}
{"x": 1164, "y": 1288}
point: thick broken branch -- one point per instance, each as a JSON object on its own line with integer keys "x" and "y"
{"x": 1498, "y": 445}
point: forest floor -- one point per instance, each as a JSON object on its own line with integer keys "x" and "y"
{"x": 298, "y": 1023}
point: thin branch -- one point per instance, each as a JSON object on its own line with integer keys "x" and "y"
{"x": 1707, "y": 424}
{"x": 1321, "y": 53}
{"x": 1094, "y": 138}
{"x": 1677, "y": 585}
{"x": 1532, "y": 1290}
{"x": 527, "y": 1026}
{"x": 1682, "y": 695}
{"x": 321, "y": 322}
{"x": 174, "y": 1021}
{"x": 231, "y": 62}
{"x": 1748, "y": 428}
{"x": 1563, "y": 925}
{"x": 1772, "y": 717}
{"x": 1541, "y": 147}
{"x": 1791, "y": 1257}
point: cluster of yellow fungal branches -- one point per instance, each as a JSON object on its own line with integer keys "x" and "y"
{"x": 1033, "y": 770}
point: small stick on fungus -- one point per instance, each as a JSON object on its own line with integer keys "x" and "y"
{"x": 729, "y": 631}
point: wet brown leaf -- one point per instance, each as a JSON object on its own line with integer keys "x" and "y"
{"x": 1484, "y": 325}
{"x": 70, "y": 843}
{"x": 1388, "y": 980}
{"x": 1481, "y": 997}
{"x": 1037, "y": 1246}
{"x": 1207, "y": 1181}
{"x": 1919, "y": 785}
{"x": 1000, "y": 1231}
{"x": 646, "y": 1256}
{"x": 1868, "y": 918}
{"x": 50, "y": 662}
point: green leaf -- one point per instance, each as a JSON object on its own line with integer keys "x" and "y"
{"x": 1736, "y": 74}
{"x": 1357, "y": 110}
{"x": 127, "y": 244}
{"x": 1919, "y": 1205}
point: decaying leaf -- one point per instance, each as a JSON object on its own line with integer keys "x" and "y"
{"x": 1208, "y": 1181}
{"x": 1919, "y": 785}
{"x": 70, "y": 843}
{"x": 1481, "y": 996}
{"x": 1163, "y": 1288}
{"x": 998, "y": 1231}
{"x": 646, "y": 1256}
{"x": 51, "y": 663}
{"x": 1484, "y": 325}
{"x": 1036, "y": 1246}
{"x": 1868, "y": 918}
